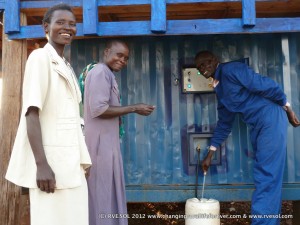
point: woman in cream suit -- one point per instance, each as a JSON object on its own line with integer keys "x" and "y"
{"x": 49, "y": 154}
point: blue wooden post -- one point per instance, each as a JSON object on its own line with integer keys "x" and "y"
{"x": 249, "y": 13}
{"x": 158, "y": 16}
{"x": 90, "y": 17}
{"x": 12, "y": 16}
{"x": 2, "y": 4}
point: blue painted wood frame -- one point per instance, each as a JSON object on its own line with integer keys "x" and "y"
{"x": 177, "y": 27}
{"x": 2, "y": 4}
{"x": 158, "y": 16}
{"x": 248, "y": 12}
{"x": 90, "y": 17}
{"x": 47, "y": 4}
{"x": 158, "y": 23}
{"x": 12, "y": 16}
{"x": 78, "y": 3}
{"x": 145, "y": 2}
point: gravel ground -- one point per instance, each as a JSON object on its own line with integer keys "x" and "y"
{"x": 139, "y": 213}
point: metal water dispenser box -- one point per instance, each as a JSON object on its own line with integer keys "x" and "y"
{"x": 194, "y": 82}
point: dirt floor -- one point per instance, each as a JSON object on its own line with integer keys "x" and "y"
{"x": 140, "y": 212}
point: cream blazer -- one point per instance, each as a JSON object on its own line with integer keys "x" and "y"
{"x": 50, "y": 84}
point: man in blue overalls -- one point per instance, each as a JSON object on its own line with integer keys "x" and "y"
{"x": 264, "y": 108}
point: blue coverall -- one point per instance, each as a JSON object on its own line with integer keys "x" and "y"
{"x": 259, "y": 100}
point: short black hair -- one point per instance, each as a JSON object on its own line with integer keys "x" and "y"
{"x": 112, "y": 42}
{"x": 204, "y": 54}
{"x": 48, "y": 15}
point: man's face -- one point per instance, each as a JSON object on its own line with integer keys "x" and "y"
{"x": 206, "y": 66}
{"x": 116, "y": 57}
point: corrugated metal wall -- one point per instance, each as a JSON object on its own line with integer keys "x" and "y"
{"x": 155, "y": 147}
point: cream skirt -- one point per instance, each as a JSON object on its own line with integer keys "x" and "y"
{"x": 63, "y": 207}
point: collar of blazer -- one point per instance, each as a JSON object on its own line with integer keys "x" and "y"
{"x": 64, "y": 69}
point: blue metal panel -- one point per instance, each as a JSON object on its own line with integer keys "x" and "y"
{"x": 154, "y": 148}
{"x": 90, "y": 17}
{"x": 158, "y": 16}
{"x": 248, "y": 12}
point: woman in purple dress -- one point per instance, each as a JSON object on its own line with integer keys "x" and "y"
{"x": 102, "y": 111}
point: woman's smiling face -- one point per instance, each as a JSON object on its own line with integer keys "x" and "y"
{"x": 116, "y": 57}
{"x": 61, "y": 29}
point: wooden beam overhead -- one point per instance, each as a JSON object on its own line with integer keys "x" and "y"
{"x": 248, "y": 12}
{"x": 90, "y": 17}
{"x": 77, "y": 3}
{"x": 206, "y": 10}
{"x": 2, "y": 4}
{"x": 177, "y": 27}
{"x": 47, "y": 4}
{"x": 12, "y": 16}
{"x": 158, "y": 16}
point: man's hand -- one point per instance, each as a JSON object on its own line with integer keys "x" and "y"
{"x": 206, "y": 162}
{"x": 294, "y": 121}
{"x": 45, "y": 178}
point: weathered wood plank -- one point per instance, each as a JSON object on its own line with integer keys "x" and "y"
{"x": 158, "y": 16}
{"x": 90, "y": 17}
{"x": 177, "y": 27}
{"x": 14, "y": 54}
{"x": 248, "y": 12}
{"x": 12, "y": 16}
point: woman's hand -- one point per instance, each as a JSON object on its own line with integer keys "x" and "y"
{"x": 143, "y": 109}
{"x": 45, "y": 178}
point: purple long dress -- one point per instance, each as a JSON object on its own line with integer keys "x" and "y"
{"x": 106, "y": 183}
